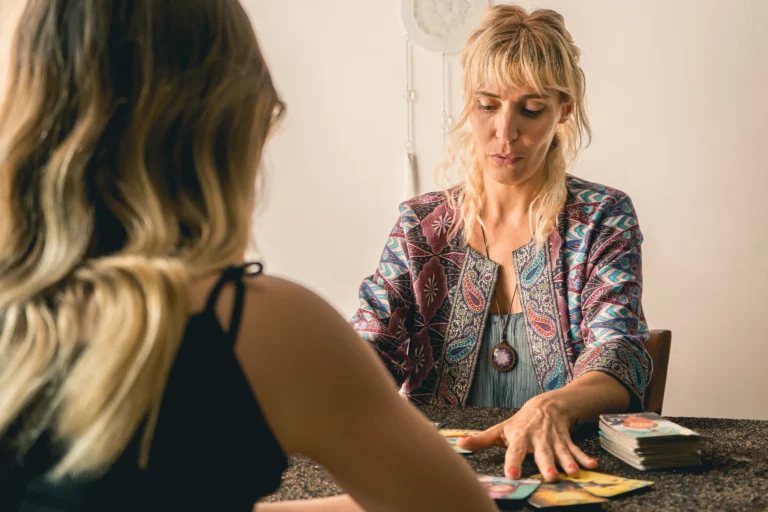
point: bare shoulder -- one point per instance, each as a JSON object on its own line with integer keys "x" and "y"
{"x": 286, "y": 326}
{"x": 299, "y": 355}
{"x": 276, "y": 304}
{"x": 275, "y": 290}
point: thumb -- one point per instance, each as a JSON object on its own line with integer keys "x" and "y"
{"x": 484, "y": 439}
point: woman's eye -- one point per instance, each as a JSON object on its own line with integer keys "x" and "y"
{"x": 486, "y": 108}
{"x": 532, "y": 113}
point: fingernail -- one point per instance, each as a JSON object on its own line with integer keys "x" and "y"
{"x": 513, "y": 473}
{"x": 551, "y": 471}
{"x": 573, "y": 467}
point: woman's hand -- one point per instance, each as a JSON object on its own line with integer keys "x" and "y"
{"x": 541, "y": 427}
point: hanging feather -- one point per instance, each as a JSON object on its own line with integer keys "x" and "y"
{"x": 411, "y": 178}
{"x": 410, "y": 97}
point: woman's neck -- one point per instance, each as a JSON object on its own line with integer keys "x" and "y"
{"x": 508, "y": 204}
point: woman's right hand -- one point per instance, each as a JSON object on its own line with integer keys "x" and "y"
{"x": 325, "y": 394}
{"x": 542, "y": 428}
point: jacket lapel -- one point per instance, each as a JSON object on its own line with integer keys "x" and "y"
{"x": 466, "y": 324}
{"x": 543, "y": 324}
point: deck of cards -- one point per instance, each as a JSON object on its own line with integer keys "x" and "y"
{"x": 647, "y": 441}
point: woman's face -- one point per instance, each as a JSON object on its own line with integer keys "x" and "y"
{"x": 512, "y": 131}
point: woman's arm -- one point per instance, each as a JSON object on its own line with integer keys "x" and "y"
{"x": 611, "y": 304}
{"x": 613, "y": 371}
{"x": 335, "y": 504}
{"x": 386, "y": 301}
{"x": 587, "y": 397}
{"x": 327, "y": 395}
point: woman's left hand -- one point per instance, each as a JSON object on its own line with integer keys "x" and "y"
{"x": 541, "y": 427}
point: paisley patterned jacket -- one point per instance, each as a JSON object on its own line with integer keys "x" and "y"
{"x": 425, "y": 307}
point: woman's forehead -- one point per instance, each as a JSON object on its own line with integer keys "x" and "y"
{"x": 514, "y": 92}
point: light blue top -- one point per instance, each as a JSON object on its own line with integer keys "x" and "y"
{"x": 492, "y": 388}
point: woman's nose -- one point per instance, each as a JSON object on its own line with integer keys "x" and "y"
{"x": 506, "y": 127}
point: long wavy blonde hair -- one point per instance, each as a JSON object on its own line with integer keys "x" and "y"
{"x": 130, "y": 142}
{"x": 515, "y": 49}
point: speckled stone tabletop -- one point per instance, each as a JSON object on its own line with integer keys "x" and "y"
{"x": 733, "y": 475}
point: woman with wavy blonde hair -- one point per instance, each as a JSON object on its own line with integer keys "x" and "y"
{"x": 521, "y": 286}
{"x": 130, "y": 142}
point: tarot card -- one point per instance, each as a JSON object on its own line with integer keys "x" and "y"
{"x": 500, "y": 488}
{"x": 605, "y": 486}
{"x": 562, "y": 494}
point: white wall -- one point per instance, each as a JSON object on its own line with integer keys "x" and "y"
{"x": 676, "y": 93}
{"x": 8, "y": 14}
{"x": 677, "y": 98}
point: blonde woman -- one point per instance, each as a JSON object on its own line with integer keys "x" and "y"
{"x": 521, "y": 286}
{"x": 143, "y": 366}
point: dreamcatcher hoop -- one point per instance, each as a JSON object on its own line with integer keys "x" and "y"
{"x": 441, "y": 26}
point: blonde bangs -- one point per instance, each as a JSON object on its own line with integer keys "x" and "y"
{"x": 523, "y": 65}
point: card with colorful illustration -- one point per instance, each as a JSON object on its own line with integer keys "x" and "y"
{"x": 644, "y": 425}
{"x": 562, "y": 494}
{"x": 605, "y": 486}
{"x": 458, "y": 432}
{"x": 500, "y": 488}
{"x": 451, "y": 434}
{"x": 456, "y": 448}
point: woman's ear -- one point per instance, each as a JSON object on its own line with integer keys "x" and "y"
{"x": 565, "y": 112}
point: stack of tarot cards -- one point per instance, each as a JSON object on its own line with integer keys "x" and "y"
{"x": 648, "y": 441}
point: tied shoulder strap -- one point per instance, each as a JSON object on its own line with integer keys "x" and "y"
{"x": 235, "y": 275}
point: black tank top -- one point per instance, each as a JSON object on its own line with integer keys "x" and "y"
{"x": 212, "y": 448}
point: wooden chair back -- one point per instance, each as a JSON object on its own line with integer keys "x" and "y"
{"x": 658, "y": 346}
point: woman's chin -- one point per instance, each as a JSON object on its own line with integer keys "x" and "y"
{"x": 508, "y": 174}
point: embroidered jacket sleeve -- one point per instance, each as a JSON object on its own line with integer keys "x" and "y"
{"x": 616, "y": 330}
{"x": 386, "y": 302}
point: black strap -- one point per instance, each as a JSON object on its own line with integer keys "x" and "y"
{"x": 234, "y": 274}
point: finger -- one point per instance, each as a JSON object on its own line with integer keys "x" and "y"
{"x": 517, "y": 449}
{"x": 482, "y": 440}
{"x": 582, "y": 458}
{"x": 565, "y": 459}
{"x": 545, "y": 457}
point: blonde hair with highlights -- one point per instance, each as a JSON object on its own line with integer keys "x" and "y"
{"x": 515, "y": 49}
{"x": 130, "y": 141}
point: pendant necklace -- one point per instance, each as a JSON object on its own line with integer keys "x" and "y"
{"x": 502, "y": 356}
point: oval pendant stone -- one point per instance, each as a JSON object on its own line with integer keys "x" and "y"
{"x": 503, "y": 358}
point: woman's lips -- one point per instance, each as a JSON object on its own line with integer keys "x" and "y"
{"x": 500, "y": 159}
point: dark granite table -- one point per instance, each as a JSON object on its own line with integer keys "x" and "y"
{"x": 732, "y": 477}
